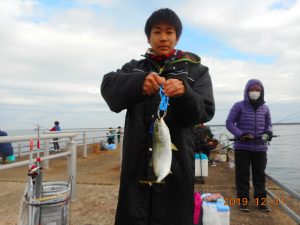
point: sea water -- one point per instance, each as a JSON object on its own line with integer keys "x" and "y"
{"x": 283, "y": 154}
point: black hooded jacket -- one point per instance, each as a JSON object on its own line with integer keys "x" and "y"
{"x": 170, "y": 203}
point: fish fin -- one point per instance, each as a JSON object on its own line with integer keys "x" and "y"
{"x": 159, "y": 180}
{"x": 173, "y": 147}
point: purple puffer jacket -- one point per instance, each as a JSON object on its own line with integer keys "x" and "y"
{"x": 243, "y": 119}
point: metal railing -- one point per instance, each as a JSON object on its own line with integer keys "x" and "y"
{"x": 71, "y": 153}
{"x": 281, "y": 204}
{"x": 94, "y": 139}
{"x": 71, "y": 145}
{"x": 84, "y": 138}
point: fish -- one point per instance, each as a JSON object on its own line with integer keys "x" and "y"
{"x": 161, "y": 150}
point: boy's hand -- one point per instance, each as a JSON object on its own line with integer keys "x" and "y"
{"x": 174, "y": 88}
{"x": 151, "y": 83}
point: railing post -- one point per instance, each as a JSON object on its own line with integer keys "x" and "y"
{"x": 46, "y": 153}
{"x": 19, "y": 150}
{"x": 72, "y": 166}
{"x": 84, "y": 145}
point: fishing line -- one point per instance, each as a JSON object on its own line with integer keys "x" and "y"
{"x": 287, "y": 117}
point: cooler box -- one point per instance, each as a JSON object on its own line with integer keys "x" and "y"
{"x": 223, "y": 211}
{"x": 201, "y": 168}
{"x": 110, "y": 146}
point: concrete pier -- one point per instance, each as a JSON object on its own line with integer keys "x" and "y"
{"x": 98, "y": 184}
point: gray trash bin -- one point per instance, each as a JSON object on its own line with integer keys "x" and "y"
{"x": 54, "y": 205}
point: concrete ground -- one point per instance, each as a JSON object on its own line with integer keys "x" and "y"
{"x": 97, "y": 191}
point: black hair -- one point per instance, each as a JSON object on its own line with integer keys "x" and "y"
{"x": 163, "y": 15}
{"x": 56, "y": 123}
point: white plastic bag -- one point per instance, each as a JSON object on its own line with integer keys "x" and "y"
{"x": 210, "y": 214}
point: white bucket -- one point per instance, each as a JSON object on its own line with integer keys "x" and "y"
{"x": 201, "y": 167}
{"x": 223, "y": 211}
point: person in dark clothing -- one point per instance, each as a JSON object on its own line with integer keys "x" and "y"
{"x": 110, "y": 136}
{"x": 250, "y": 122}
{"x": 119, "y": 134}
{"x": 6, "y": 150}
{"x": 55, "y": 140}
{"x": 135, "y": 87}
{"x": 203, "y": 136}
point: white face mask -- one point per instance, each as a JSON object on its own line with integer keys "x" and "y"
{"x": 254, "y": 95}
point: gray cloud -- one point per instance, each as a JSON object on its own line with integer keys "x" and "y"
{"x": 255, "y": 28}
{"x": 52, "y": 64}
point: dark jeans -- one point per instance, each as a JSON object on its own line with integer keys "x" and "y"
{"x": 206, "y": 152}
{"x": 55, "y": 144}
{"x": 258, "y": 162}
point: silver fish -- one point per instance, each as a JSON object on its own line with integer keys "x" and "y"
{"x": 162, "y": 149}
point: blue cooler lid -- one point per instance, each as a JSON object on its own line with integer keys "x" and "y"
{"x": 219, "y": 204}
{"x": 221, "y": 207}
{"x": 202, "y": 156}
{"x": 111, "y": 146}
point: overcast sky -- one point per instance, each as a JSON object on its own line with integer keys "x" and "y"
{"x": 53, "y": 55}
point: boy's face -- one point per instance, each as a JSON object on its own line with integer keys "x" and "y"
{"x": 162, "y": 38}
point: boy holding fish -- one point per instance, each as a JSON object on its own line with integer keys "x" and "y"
{"x": 146, "y": 195}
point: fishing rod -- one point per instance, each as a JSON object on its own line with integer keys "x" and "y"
{"x": 278, "y": 135}
{"x": 288, "y": 135}
{"x": 255, "y": 138}
{"x": 224, "y": 147}
{"x": 236, "y": 139}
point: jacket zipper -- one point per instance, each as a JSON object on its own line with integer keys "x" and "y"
{"x": 161, "y": 69}
{"x": 255, "y": 128}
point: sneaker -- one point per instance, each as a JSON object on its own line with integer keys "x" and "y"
{"x": 244, "y": 208}
{"x": 264, "y": 208}
{"x": 212, "y": 163}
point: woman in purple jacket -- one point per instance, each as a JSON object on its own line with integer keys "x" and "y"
{"x": 250, "y": 122}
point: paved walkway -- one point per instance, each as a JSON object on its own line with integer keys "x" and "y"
{"x": 97, "y": 191}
